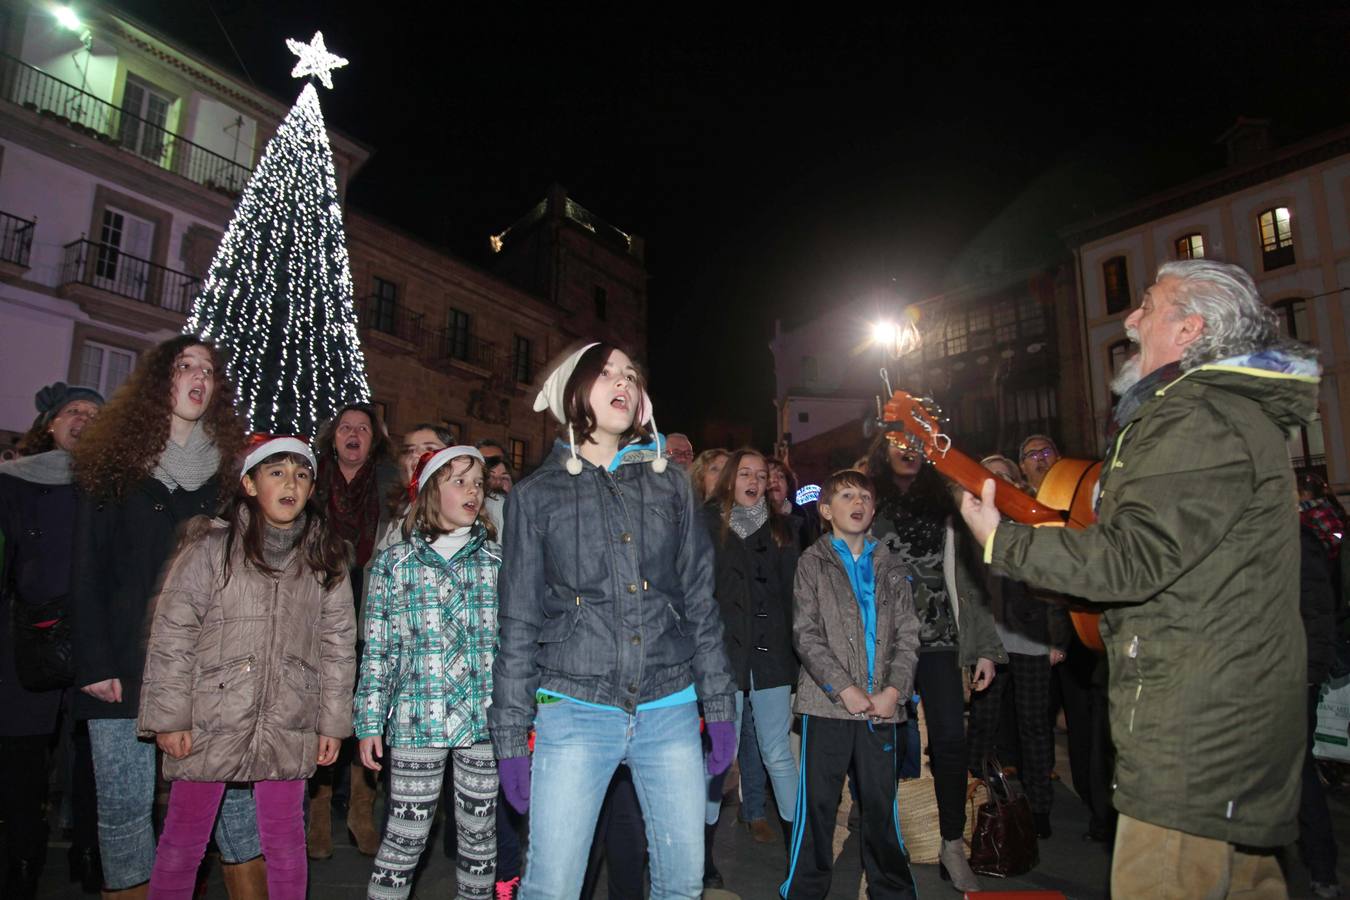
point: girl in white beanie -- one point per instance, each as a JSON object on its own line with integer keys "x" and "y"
{"x": 609, "y": 636}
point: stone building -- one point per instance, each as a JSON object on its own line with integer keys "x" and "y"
{"x": 121, "y": 156}
{"x": 1283, "y": 214}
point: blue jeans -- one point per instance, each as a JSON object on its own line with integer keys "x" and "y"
{"x": 754, "y": 780}
{"x": 124, "y": 772}
{"x": 576, "y": 750}
{"x": 773, "y": 724}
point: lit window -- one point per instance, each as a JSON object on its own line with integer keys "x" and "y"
{"x": 1277, "y": 238}
{"x": 1190, "y": 246}
{"x": 519, "y": 450}
{"x": 1116, "y": 281}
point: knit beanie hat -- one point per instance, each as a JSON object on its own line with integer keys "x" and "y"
{"x": 55, "y": 397}
{"x": 551, "y": 398}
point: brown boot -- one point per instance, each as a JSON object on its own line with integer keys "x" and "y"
{"x": 139, "y": 892}
{"x": 762, "y": 831}
{"x": 246, "y": 880}
{"x": 319, "y": 838}
{"x": 361, "y": 813}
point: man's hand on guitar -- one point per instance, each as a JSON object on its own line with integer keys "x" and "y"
{"x": 980, "y": 513}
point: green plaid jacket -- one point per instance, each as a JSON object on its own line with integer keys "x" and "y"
{"x": 431, "y": 633}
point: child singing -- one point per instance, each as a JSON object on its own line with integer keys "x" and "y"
{"x": 430, "y": 631}
{"x": 249, "y": 666}
{"x": 858, "y": 638}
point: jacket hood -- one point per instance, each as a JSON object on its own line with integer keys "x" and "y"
{"x": 1282, "y": 380}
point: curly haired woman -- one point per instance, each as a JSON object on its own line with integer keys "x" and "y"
{"x": 156, "y": 456}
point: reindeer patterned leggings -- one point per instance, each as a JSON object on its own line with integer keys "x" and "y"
{"x": 415, "y": 778}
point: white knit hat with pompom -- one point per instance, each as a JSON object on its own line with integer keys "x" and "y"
{"x": 551, "y": 398}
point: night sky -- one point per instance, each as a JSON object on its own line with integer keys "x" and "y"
{"x": 776, "y": 167}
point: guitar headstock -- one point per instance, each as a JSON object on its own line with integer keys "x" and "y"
{"x": 915, "y": 424}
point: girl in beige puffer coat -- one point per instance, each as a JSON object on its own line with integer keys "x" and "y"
{"x": 249, "y": 669}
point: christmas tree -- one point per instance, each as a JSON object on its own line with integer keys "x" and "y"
{"x": 278, "y": 296}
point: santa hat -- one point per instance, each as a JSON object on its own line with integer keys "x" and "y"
{"x": 551, "y": 397}
{"x": 262, "y": 446}
{"x": 433, "y": 460}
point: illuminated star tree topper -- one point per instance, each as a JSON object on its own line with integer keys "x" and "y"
{"x": 315, "y": 60}
{"x": 278, "y": 295}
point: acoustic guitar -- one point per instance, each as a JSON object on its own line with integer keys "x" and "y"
{"x": 1064, "y": 499}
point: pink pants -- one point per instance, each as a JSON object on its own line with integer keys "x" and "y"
{"x": 192, "y": 814}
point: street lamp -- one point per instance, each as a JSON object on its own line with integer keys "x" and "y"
{"x": 895, "y": 338}
{"x": 67, "y": 18}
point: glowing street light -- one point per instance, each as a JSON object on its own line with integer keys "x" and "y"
{"x": 896, "y": 338}
{"x": 884, "y": 333}
{"x": 66, "y": 17}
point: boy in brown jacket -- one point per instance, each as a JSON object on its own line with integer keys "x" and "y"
{"x": 855, "y": 630}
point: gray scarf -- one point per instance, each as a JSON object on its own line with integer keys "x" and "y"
{"x": 52, "y": 467}
{"x": 190, "y": 466}
{"x": 746, "y": 520}
{"x": 279, "y": 542}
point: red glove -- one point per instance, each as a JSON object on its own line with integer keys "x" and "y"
{"x": 514, "y": 775}
{"x": 722, "y": 736}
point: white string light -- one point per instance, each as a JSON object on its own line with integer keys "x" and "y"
{"x": 278, "y": 295}
{"x": 315, "y": 60}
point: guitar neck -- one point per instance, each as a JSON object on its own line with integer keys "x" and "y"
{"x": 1015, "y": 504}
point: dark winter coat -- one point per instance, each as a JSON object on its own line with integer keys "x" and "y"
{"x": 1195, "y": 551}
{"x": 121, "y": 548}
{"x": 1317, "y": 606}
{"x": 36, "y": 521}
{"x": 830, "y": 636}
{"x": 605, "y": 595}
{"x": 754, "y": 593}
{"x": 256, "y": 670}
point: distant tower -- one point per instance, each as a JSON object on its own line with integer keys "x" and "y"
{"x": 577, "y": 261}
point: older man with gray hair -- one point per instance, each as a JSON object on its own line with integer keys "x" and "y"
{"x": 1195, "y": 559}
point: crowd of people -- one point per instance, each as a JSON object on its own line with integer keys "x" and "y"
{"x": 577, "y": 661}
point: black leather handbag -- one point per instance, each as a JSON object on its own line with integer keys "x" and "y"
{"x": 1004, "y": 841}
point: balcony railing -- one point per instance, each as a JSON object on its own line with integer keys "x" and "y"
{"x": 53, "y": 98}
{"x": 449, "y": 346}
{"x": 16, "y": 239}
{"x": 105, "y": 267}
{"x": 385, "y": 316}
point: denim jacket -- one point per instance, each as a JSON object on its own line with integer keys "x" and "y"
{"x": 430, "y": 629}
{"x": 606, "y": 595}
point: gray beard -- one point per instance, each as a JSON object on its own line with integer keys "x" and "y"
{"x": 1127, "y": 377}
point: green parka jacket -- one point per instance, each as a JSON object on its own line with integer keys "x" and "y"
{"x": 1196, "y": 551}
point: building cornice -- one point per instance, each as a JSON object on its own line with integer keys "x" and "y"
{"x": 1303, "y": 155}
